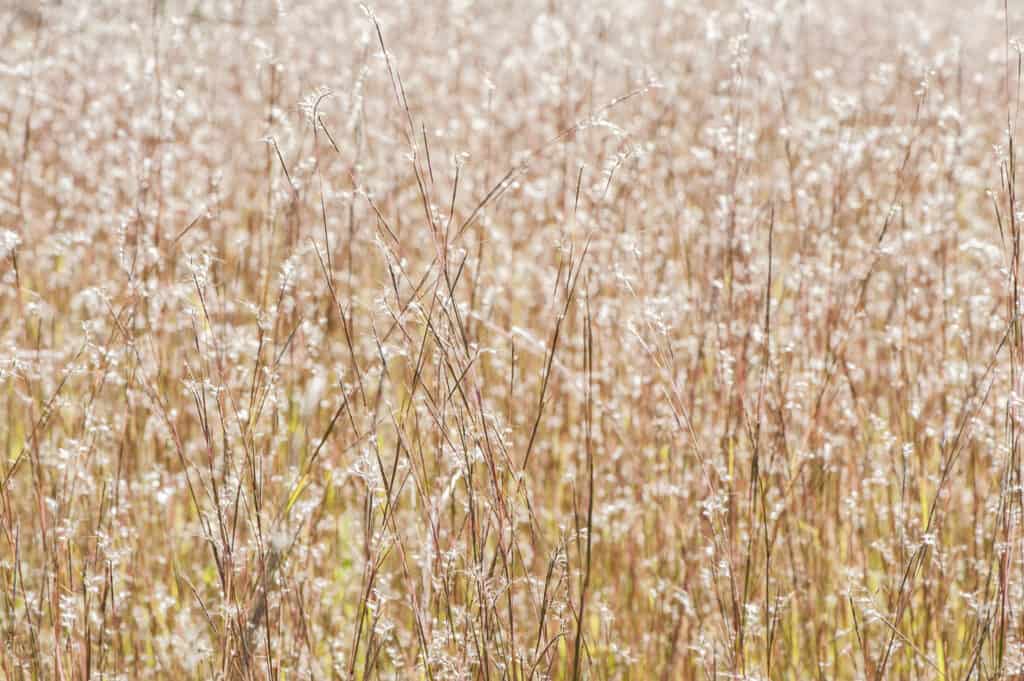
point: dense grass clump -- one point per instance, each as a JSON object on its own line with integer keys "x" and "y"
{"x": 511, "y": 340}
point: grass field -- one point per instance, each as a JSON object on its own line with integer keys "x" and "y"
{"x": 511, "y": 341}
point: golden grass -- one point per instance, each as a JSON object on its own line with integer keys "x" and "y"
{"x": 513, "y": 340}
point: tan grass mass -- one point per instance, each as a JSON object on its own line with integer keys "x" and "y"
{"x": 458, "y": 340}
